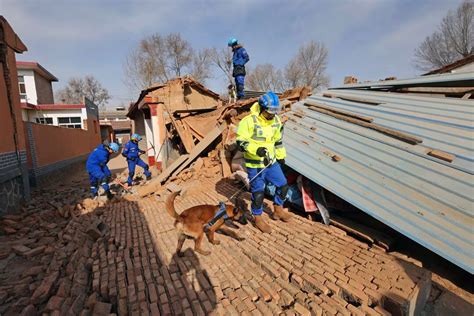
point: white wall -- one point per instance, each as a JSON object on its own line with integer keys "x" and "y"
{"x": 55, "y": 114}
{"x": 30, "y": 86}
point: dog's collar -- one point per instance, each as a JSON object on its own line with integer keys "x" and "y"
{"x": 220, "y": 213}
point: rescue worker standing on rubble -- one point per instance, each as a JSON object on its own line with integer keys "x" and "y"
{"x": 96, "y": 166}
{"x": 132, "y": 153}
{"x": 259, "y": 136}
{"x": 239, "y": 59}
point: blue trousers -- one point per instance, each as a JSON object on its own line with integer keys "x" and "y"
{"x": 239, "y": 85}
{"x": 131, "y": 169}
{"x": 96, "y": 178}
{"x": 272, "y": 174}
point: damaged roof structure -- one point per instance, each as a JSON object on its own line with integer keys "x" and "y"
{"x": 406, "y": 159}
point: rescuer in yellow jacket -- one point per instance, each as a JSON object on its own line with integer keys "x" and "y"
{"x": 259, "y": 136}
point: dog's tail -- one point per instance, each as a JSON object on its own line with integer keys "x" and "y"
{"x": 170, "y": 205}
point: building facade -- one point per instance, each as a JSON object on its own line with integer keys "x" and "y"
{"x": 35, "y": 83}
{"x": 14, "y": 182}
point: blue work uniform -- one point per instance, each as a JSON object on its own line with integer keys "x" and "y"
{"x": 96, "y": 166}
{"x": 239, "y": 59}
{"x": 132, "y": 153}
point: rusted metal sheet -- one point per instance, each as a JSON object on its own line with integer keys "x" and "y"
{"x": 428, "y": 199}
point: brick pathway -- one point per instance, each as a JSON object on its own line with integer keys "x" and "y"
{"x": 302, "y": 268}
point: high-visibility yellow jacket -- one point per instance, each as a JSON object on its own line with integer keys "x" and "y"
{"x": 255, "y": 131}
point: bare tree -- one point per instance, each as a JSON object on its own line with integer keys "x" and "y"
{"x": 308, "y": 67}
{"x": 264, "y": 78}
{"x": 201, "y": 65}
{"x": 453, "y": 40}
{"x": 88, "y": 87}
{"x": 179, "y": 53}
{"x": 158, "y": 59}
{"x": 222, "y": 60}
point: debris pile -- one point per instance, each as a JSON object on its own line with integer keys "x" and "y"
{"x": 207, "y": 140}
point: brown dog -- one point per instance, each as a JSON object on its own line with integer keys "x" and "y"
{"x": 192, "y": 222}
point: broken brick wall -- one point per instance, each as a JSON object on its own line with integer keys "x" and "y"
{"x": 14, "y": 186}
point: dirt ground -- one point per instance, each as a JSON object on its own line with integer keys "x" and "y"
{"x": 68, "y": 255}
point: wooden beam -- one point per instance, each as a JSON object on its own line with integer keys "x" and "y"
{"x": 350, "y": 98}
{"x": 199, "y": 148}
{"x": 408, "y": 138}
{"x": 155, "y": 183}
{"x": 201, "y": 110}
{"x": 338, "y": 111}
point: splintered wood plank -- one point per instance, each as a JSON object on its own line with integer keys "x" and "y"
{"x": 408, "y": 138}
{"x": 200, "y": 147}
{"x": 342, "y": 112}
{"x": 351, "y": 98}
{"x": 441, "y": 155}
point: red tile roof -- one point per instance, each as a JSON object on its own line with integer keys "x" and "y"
{"x": 30, "y": 106}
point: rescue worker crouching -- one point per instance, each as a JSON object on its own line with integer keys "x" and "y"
{"x": 132, "y": 153}
{"x": 259, "y": 136}
{"x": 96, "y": 166}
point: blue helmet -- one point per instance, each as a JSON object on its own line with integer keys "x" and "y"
{"x": 114, "y": 147}
{"x": 232, "y": 41}
{"x": 270, "y": 103}
{"x": 136, "y": 137}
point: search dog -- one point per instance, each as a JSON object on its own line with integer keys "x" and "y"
{"x": 192, "y": 223}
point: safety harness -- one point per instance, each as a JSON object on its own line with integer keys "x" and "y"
{"x": 220, "y": 213}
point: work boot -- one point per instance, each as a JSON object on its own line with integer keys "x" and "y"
{"x": 260, "y": 223}
{"x": 148, "y": 177}
{"x": 280, "y": 213}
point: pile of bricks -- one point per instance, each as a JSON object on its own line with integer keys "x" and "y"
{"x": 121, "y": 258}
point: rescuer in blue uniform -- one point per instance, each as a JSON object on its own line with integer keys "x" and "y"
{"x": 132, "y": 153}
{"x": 239, "y": 59}
{"x": 97, "y": 168}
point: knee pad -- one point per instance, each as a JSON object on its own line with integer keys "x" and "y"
{"x": 284, "y": 191}
{"x": 258, "y": 197}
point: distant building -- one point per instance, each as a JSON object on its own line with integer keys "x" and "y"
{"x": 37, "y": 100}
{"x": 118, "y": 121}
{"x": 35, "y": 83}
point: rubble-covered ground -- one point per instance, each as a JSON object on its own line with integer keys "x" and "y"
{"x": 67, "y": 255}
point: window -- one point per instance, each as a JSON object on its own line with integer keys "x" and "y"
{"x": 70, "y": 122}
{"x": 44, "y": 120}
{"x": 21, "y": 84}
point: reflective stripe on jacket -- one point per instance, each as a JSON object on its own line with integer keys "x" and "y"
{"x": 255, "y": 131}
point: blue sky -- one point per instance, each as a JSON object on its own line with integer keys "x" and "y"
{"x": 370, "y": 39}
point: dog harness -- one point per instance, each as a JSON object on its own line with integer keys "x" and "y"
{"x": 220, "y": 213}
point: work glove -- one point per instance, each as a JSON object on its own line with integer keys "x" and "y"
{"x": 281, "y": 161}
{"x": 262, "y": 152}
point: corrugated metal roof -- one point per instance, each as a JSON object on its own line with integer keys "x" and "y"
{"x": 427, "y": 199}
{"x": 443, "y": 80}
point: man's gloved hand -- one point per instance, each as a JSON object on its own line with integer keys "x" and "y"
{"x": 108, "y": 179}
{"x": 262, "y": 152}
{"x": 142, "y": 152}
{"x": 281, "y": 161}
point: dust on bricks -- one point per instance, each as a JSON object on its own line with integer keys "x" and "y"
{"x": 131, "y": 266}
